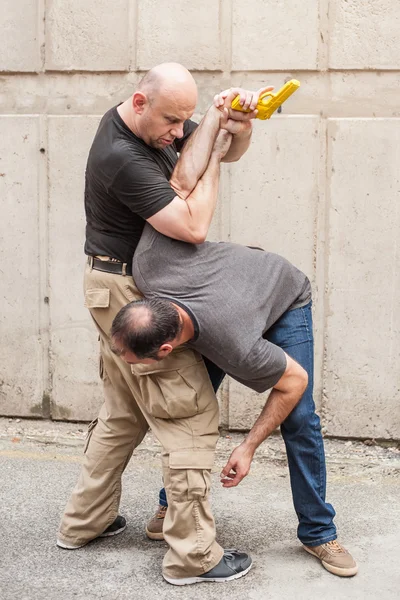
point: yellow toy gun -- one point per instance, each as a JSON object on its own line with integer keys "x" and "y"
{"x": 269, "y": 102}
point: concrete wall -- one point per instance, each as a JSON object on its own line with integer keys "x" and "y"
{"x": 319, "y": 185}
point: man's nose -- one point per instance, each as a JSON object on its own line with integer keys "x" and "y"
{"x": 177, "y": 131}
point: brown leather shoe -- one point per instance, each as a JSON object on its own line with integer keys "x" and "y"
{"x": 334, "y": 558}
{"x": 154, "y": 528}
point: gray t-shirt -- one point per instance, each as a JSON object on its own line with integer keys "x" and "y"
{"x": 234, "y": 295}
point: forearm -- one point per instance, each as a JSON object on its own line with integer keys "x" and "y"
{"x": 278, "y": 406}
{"x": 203, "y": 199}
{"x": 239, "y": 145}
{"x": 196, "y": 154}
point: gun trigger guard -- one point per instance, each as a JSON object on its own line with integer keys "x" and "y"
{"x": 266, "y": 95}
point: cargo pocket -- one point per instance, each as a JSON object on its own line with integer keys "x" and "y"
{"x": 174, "y": 388}
{"x": 97, "y": 298}
{"x": 190, "y": 477}
{"x": 91, "y": 426}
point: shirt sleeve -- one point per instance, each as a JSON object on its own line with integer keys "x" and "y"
{"x": 188, "y": 128}
{"x": 142, "y": 187}
{"x": 263, "y": 367}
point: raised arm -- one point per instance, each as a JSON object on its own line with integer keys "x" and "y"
{"x": 197, "y": 150}
{"x": 237, "y": 123}
{"x": 188, "y": 216}
{"x": 189, "y": 219}
{"x": 196, "y": 154}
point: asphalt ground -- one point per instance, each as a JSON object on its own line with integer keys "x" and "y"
{"x": 39, "y": 465}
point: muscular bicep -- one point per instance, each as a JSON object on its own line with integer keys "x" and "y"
{"x": 174, "y": 221}
{"x": 143, "y": 187}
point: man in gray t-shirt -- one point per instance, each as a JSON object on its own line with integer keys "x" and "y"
{"x": 233, "y": 294}
{"x": 249, "y": 312}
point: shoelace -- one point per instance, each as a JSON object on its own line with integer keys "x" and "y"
{"x": 335, "y": 547}
{"x": 229, "y": 553}
{"x": 161, "y": 512}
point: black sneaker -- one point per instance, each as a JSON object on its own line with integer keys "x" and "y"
{"x": 233, "y": 564}
{"x": 115, "y": 528}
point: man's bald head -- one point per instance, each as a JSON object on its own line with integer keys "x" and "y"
{"x": 165, "y": 98}
{"x": 166, "y": 79}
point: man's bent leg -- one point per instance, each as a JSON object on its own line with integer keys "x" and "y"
{"x": 189, "y": 526}
{"x": 182, "y": 411}
{"x": 120, "y": 427}
{"x": 94, "y": 502}
{"x": 154, "y": 528}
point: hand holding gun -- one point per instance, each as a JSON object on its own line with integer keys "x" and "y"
{"x": 268, "y": 102}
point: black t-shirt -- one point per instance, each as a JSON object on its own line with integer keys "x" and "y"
{"x": 126, "y": 182}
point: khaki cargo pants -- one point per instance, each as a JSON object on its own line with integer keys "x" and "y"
{"x": 176, "y": 399}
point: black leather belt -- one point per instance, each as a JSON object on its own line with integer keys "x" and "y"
{"x": 109, "y": 266}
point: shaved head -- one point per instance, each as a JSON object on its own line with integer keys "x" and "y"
{"x": 165, "y": 98}
{"x": 166, "y": 79}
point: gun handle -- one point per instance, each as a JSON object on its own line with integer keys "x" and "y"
{"x": 269, "y": 102}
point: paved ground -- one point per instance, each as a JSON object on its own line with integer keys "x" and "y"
{"x": 39, "y": 463}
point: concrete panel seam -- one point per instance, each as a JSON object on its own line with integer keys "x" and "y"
{"x": 225, "y": 24}
{"x": 323, "y": 41}
{"x": 328, "y": 169}
{"x": 132, "y": 33}
{"x": 44, "y": 313}
{"x": 319, "y": 257}
{"x": 42, "y": 33}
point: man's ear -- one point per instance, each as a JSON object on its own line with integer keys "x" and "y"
{"x": 139, "y": 101}
{"x": 164, "y": 350}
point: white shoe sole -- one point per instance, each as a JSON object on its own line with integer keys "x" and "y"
{"x": 340, "y": 571}
{"x": 61, "y": 544}
{"x": 190, "y": 580}
{"x": 65, "y": 546}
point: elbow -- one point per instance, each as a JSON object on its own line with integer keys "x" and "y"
{"x": 190, "y": 235}
{"x": 198, "y": 237}
{"x": 302, "y": 381}
{"x": 182, "y": 191}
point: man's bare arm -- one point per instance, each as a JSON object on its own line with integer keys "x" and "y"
{"x": 197, "y": 151}
{"x": 196, "y": 154}
{"x": 189, "y": 219}
{"x": 281, "y": 401}
{"x": 240, "y": 140}
{"x": 183, "y": 220}
{"x": 233, "y": 122}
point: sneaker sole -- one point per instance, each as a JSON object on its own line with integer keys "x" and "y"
{"x": 111, "y": 533}
{"x": 340, "y": 571}
{"x": 65, "y": 546}
{"x": 154, "y": 536}
{"x": 190, "y": 580}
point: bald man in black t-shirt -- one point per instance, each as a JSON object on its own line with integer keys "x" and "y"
{"x": 133, "y": 175}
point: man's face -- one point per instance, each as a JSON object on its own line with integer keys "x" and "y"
{"x": 162, "y": 119}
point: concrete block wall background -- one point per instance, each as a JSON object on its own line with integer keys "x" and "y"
{"x": 319, "y": 185}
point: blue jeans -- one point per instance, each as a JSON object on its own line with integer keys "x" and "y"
{"x": 301, "y": 432}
